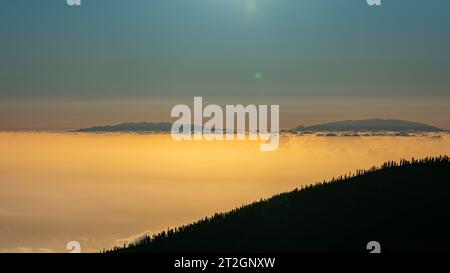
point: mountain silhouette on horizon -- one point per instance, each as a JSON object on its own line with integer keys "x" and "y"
{"x": 141, "y": 127}
{"x": 403, "y": 206}
{"x": 393, "y": 125}
{"x": 131, "y": 127}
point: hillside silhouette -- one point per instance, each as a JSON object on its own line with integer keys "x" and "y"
{"x": 404, "y": 206}
{"x": 377, "y": 125}
{"x": 138, "y": 127}
{"x": 130, "y": 127}
{"x": 393, "y": 125}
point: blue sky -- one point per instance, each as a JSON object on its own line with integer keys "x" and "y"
{"x": 170, "y": 50}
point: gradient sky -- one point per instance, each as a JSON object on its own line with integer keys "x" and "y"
{"x": 112, "y": 61}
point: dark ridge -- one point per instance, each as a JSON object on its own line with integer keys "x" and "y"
{"x": 139, "y": 127}
{"x": 130, "y": 127}
{"x": 392, "y": 125}
{"x": 404, "y": 206}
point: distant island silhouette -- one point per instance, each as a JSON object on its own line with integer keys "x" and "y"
{"x": 131, "y": 127}
{"x": 404, "y": 206}
{"x": 393, "y": 125}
